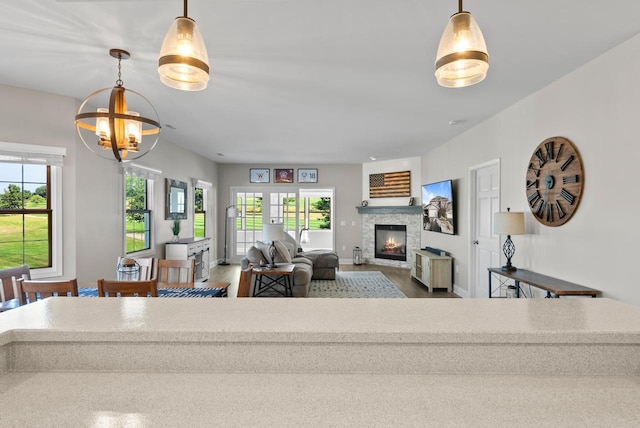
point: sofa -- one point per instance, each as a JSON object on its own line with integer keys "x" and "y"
{"x": 316, "y": 264}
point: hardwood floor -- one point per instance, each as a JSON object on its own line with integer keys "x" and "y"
{"x": 400, "y": 277}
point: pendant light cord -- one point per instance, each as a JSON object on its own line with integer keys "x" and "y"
{"x": 459, "y": 6}
{"x": 185, "y": 8}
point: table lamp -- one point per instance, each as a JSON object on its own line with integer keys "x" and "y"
{"x": 272, "y": 232}
{"x": 508, "y": 223}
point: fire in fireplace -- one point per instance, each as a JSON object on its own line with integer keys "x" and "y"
{"x": 391, "y": 242}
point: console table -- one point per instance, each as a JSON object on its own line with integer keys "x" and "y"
{"x": 553, "y": 286}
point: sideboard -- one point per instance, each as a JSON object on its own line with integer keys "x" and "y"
{"x": 191, "y": 248}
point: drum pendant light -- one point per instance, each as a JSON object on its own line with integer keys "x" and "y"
{"x": 462, "y": 58}
{"x": 183, "y": 62}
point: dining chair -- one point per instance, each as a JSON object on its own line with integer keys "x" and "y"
{"x": 244, "y": 285}
{"x": 109, "y": 288}
{"x": 146, "y": 264}
{"x": 9, "y": 287}
{"x": 176, "y": 271}
{"x": 30, "y": 291}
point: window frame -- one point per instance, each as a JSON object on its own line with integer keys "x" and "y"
{"x": 149, "y": 199}
{"x": 53, "y": 157}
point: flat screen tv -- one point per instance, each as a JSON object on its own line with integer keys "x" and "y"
{"x": 437, "y": 207}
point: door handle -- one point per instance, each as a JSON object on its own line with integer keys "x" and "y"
{"x": 475, "y": 242}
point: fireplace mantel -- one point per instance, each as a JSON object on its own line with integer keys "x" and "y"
{"x": 399, "y": 209}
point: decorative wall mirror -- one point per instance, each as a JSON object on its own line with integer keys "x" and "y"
{"x": 176, "y": 200}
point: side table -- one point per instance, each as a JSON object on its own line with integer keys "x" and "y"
{"x": 270, "y": 278}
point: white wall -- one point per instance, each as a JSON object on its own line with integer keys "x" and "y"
{"x": 598, "y": 108}
{"x": 92, "y": 187}
{"x": 395, "y": 165}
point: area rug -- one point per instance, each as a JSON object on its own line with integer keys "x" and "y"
{"x": 370, "y": 284}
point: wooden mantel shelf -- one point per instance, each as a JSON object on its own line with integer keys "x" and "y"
{"x": 392, "y": 209}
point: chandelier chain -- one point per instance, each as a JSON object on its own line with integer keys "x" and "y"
{"x": 119, "y": 81}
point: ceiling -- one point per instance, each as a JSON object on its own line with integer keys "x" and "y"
{"x": 308, "y": 81}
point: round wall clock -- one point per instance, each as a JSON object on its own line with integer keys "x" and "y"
{"x": 555, "y": 179}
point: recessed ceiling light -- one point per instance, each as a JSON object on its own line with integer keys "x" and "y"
{"x": 220, "y": 154}
{"x": 454, "y": 122}
{"x": 373, "y": 158}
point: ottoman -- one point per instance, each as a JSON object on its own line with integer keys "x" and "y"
{"x": 325, "y": 263}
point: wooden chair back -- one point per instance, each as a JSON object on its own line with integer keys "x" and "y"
{"x": 244, "y": 286}
{"x": 30, "y": 291}
{"x": 8, "y": 281}
{"x": 147, "y": 266}
{"x": 109, "y": 288}
{"x": 176, "y": 271}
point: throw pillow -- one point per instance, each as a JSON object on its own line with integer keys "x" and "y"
{"x": 254, "y": 255}
{"x": 282, "y": 254}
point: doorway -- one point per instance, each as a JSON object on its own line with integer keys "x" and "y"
{"x": 306, "y": 215}
{"x": 484, "y": 202}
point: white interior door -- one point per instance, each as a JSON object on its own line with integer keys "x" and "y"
{"x": 485, "y": 248}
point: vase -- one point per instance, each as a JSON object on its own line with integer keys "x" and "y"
{"x": 176, "y": 238}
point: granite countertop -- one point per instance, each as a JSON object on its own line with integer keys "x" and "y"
{"x": 341, "y": 320}
{"x": 145, "y": 362}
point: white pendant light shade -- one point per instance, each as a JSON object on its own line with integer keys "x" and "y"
{"x": 183, "y": 62}
{"x": 462, "y": 58}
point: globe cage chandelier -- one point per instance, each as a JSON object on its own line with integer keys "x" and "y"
{"x": 462, "y": 58}
{"x": 120, "y": 131}
{"x": 183, "y": 62}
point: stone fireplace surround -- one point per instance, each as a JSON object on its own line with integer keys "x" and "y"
{"x": 389, "y": 215}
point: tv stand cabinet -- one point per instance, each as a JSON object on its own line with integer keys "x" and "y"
{"x": 432, "y": 270}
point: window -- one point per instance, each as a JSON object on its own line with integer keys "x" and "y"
{"x": 199, "y": 213}
{"x": 31, "y": 207}
{"x": 138, "y": 213}
{"x": 25, "y": 215}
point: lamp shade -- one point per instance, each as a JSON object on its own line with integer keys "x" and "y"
{"x": 232, "y": 212}
{"x": 462, "y": 58}
{"x": 508, "y": 223}
{"x": 183, "y": 62}
{"x": 272, "y": 232}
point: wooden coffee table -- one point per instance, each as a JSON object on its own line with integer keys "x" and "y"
{"x": 271, "y": 278}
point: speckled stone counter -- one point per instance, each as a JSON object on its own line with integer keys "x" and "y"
{"x": 320, "y": 362}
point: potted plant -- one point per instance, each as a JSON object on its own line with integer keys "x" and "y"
{"x": 175, "y": 228}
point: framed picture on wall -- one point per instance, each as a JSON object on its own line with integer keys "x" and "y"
{"x": 283, "y": 176}
{"x": 259, "y": 175}
{"x": 307, "y": 175}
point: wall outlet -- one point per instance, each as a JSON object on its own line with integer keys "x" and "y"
{"x": 456, "y": 268}
{"x": 344, "y": 248}
{"x": 343, "y": 223}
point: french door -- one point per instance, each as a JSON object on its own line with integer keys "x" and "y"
{"x": 306, "y": 215}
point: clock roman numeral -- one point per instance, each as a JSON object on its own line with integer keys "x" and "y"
{"x": 533, "y": 198}
{"x": 535, "y": 170}
{"x": 566, "y": 163}
{"x": 559, "y": 152}
{"x": 549, "y": 212}
{"x": 539, "y": 209}
{"x": 567, "y": 196}
{"x": 549, "y": 146}
{"x": 541, "y": 158}
{"x": 561, "y": 213}
{"x": 570, "y": 179}
{"x": 533, "y": 183}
